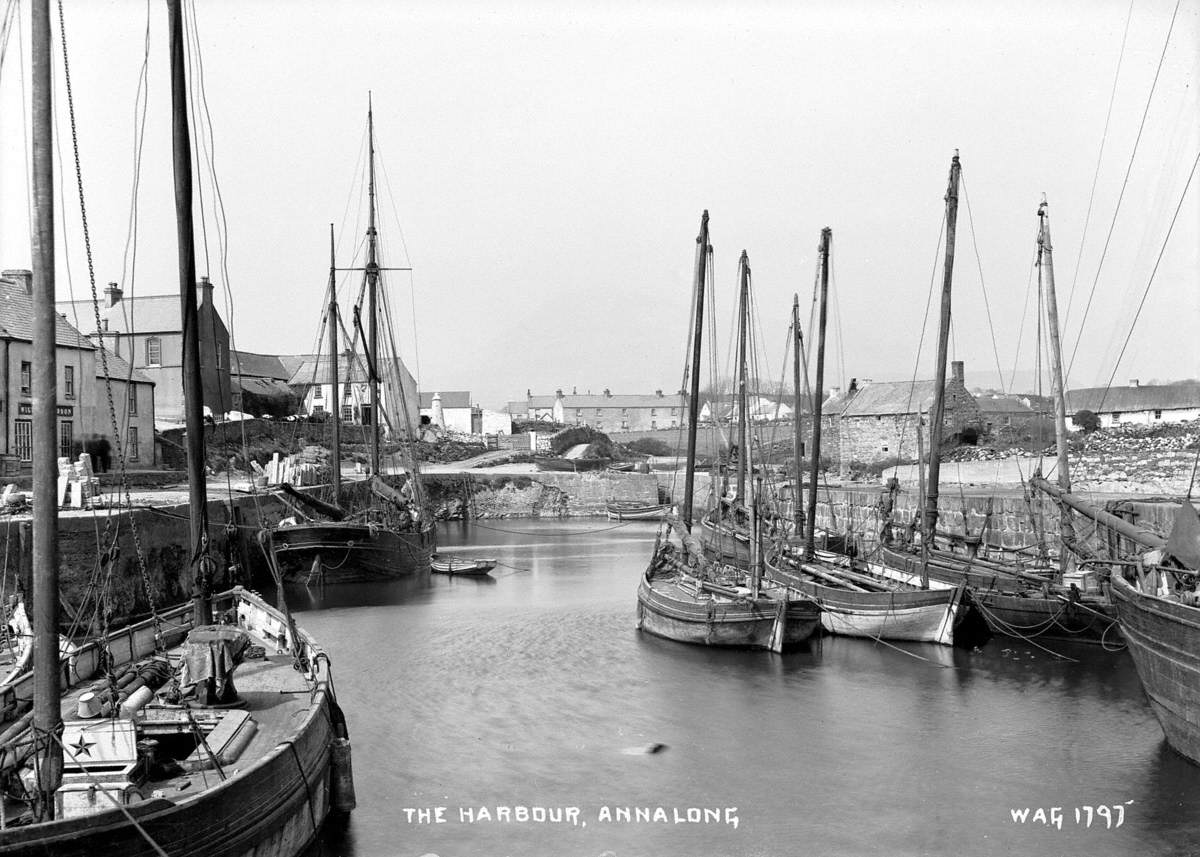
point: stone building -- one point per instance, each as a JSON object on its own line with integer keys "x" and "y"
{"x": 878, "y": 421}
{"x": 133, "y": 404}
{"x": 147, "y": 332}
{"x": 605, "y": 412}
{"x": 312, "y": 382}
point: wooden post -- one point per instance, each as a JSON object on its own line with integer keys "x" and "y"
{"x": 47, "y": 705}
{"x": 193, "y": 395}
{"x": 689, "y": 479}
{"x": 938, "y": 411}
{"x": 810, "y": 531}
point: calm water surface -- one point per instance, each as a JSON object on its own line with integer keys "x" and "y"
{"x": 533, "y": 689}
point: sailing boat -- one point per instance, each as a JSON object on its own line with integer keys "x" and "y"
{"x": 855, "y": 601}
{"x": 684, "y": 597}
{"x": 391, "y": 537}
{"x": 103, "y": 767}
{"x": 1016, "y": 602}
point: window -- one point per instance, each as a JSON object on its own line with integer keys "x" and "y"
{"x": 624, "y": 424}
{"x": 1158, "y": 414}
{"x": 885, "y": 449}
{"x": 654, "y": 412}
{"x": 599, "y": 412}
{"x": 153, "y": 351}
{"x": 66, "y": 438}
{"x": 23, "y": 431}
{"x": 653, "y": 424}
{"x": 578, "y": 412}
{"x": 1116, "y": 416}
{"x": 347, "y": 413}
{"x": 68, "y": 382}
{"x": 672, "y": 412}
{"x": 133, "y": 400}
{"x": 878, "y": 417}
{"x": 318, "y": 392}
{"x": 131, "y": 445}
{"x": 26, "y": 378}
{"x": 624, "y": 412}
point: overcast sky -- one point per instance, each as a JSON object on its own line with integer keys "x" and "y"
{"x": 546, "y": 165}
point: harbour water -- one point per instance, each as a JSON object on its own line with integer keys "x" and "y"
{"x": 524, "y": 715}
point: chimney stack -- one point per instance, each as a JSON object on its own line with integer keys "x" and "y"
{"x": 658, "y": 393}
{"x": 853, "y": 385}
{"x": 21, "y": 277}
{"x": 1133, "y": 382}
{"x": 607, "y": 393}
{"x": 558, "y": 394}
{"x": 113, "y": 295}
{"x": 206, "y": 291}
{"x": 956, "y": 371}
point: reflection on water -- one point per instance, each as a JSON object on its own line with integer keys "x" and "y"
{"x": 535, "y": 690}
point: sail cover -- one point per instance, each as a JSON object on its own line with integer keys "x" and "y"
{"x": 1184, "y": 542}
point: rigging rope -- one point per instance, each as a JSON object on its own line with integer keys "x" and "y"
{"x": 1125, "y": 183}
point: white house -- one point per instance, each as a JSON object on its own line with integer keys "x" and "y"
{"x": 1137, "y": 403}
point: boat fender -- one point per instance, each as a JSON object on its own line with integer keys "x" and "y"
{"x": 136, "y": 700}
{"x": 341, "y": 776}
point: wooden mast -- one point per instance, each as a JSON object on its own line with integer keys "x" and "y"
{"x": 689, "y": 484}
{"x": 810, "y": 531}
{"x": 336, "y": 403}
{"x": 1046, "y": 267}
{"x": 938, "y": 410}
{"x": 798, "y": 419}
{"x": 372, "y": 295}
{"x": 743, "y": 312}
{"x": 47, "y": 705}
{"x": 193, "y": 394}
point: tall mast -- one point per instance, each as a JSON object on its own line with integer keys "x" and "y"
{"x": 47, "y": 706}
{"x": 372, "y": 294}
{"x": 333, "y": 368}
{"x": 810, "y": 530}
{"x": 938, "y": 410}
{"x": 193, "y": 395}
{"x": 1046, "y": 267}
{"x": 743, "y": 312}
{"x": 797, "y": 418}
{"x": 689, "y": 483}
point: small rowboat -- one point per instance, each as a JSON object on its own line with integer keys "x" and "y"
{"x": 635, "y": 510}
{"x": 464, "y": 566}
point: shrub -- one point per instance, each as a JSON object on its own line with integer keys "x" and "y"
{"x": 1086, "y": 420}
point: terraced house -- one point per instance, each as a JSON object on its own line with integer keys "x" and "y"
{"x": 605, "y": 411}
{"x": 1137, "y": 403}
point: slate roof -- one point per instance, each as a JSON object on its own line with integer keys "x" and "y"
{"x": 144, "y": 314}
{"x": 452, "y": 399}
{"x": 270, "y": 387}
{"x": 1002, "y": 405}
{"x": 252, "y": 365}
{"x": 16, "y": 319}
{"x": 1142, "y": 398}
{"x": 889, "y": 397}
{"x": 119, "y": 369}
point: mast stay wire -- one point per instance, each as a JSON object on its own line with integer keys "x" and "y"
{"x": 908, "y": 407}
{"x": 1099, "y": 158}
{"x": 1150, "y": 280}
{"x": 1124, "y": 184}
{"x": 982, "y": 285}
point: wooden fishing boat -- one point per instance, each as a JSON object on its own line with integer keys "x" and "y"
{"x": 636, "y": 510}
{"x": 1014, "y": 601}
{"x": 685, "y": 598}
{"x": 128, "y": 743}
{"x": 391, "y": 536}
{"x": 184, "y": 775}
{"x": 462, "y": 566}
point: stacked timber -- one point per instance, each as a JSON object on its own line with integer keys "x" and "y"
{"x": 310, "y": 466}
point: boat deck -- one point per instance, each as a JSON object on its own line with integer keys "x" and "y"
{"x": 274, "y": 695}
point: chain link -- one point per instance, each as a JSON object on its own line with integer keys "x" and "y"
{"x": 112, "y": 410}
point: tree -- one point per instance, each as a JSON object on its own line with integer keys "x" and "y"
{"x": 1086, "y": 420}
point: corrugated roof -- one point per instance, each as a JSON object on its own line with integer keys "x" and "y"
{"x": 1148, "y": 398}
{"x": 254, "y": 365}
{"x": 16, "y": 319}
{"x": 451, "y": 399}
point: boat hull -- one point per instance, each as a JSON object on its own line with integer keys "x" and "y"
{"x": 928, "y": 616}
{"x": 1012, "y": 608}
{"x": 1164, "y": 639}
{"x": 462, "y": 567}
{"x": 666, "y": 610}
{"x": 351, "y": 553}
{"x": 637, "y": 511}
{"x": 271, "y": 808}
